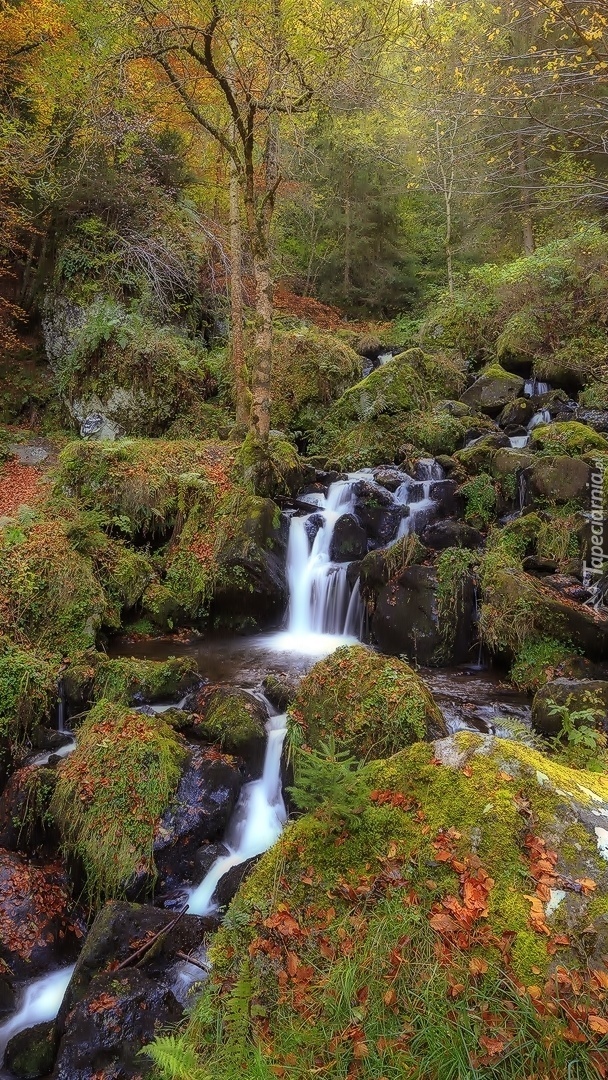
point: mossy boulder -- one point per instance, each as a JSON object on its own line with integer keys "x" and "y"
{"x": 436, "y": 907}
{"x": 112, "y": 791}
{"x": 480, "y": 455}
{"x": 26, "y": 823}
{"x": 349, "y": 540}
{"x": 28, "y": 692}
{"x": 578, "y": 695}
{"x": 141, "y": 485}
{"x": 371, "y": 704}
{"x": 31, "y": 1054}
{"x": 494, "y": 389}
{"x": 310, "y": 369}
{"x": 230, "y": 719}
{"x": 49, "y": 593}
{"x": 128, "y": 681}
{"x": 560, "y": 480}
{"x": 517, "y": 413}
{"x": 379, "y": 566}
{"x": 427, "y": 613}
{"x": 570, "y": 438}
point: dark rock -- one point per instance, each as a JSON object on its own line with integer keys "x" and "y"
{"x": 391, "y": 479}
{"x": 534, "y": 564}
{"x": 118, "y": 930}
{"x": 121, "y": 1012}
{"x": 376, "y": 511}
{"x": 201, "y": 809}
{"x": 593, "y": 418}
{"x": 517, "y": 412}
{"x": 38, "y": 929}
{"x": 353, "y": 571}
{"x": 560, "y": 479}
{"x": 230, "y": 883}
{"x": 313, "y": 524}
{"x": 450, "y": 533}
{"x": 24, "y": 822}
{"x": 205, "y": 858}
{"x": 443, "y": 493}
{"x": 280, "y": 689}
{"x": 568, "y": 587}
{"x": 251, "y": 585}
{"x": 407, "y": 619}
{"x": 349, "y": 540}
{"x": 232, "y": 720}
{"x": 31, "y": 1053}
{"x": 577, "y": 694}
{"x": 427, "y": 469}
{"x": 493, "y": 390}
{"x": 44, "y": 738}
{"x": 8, "y": 997}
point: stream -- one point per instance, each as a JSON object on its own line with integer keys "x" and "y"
{"x": 325, "y": 611}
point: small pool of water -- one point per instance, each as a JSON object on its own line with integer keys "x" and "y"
{"x": 470, "y": 698}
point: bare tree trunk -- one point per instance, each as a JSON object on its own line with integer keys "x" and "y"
{"x": 262, "y": 370}
{"x": 526, "y": 201}
{"x": 241, "y": 392}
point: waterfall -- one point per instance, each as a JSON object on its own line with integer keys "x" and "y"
{"x": 256, "y": 823}
{"x": 40, "y": 1002}
{"x": 541, "y": 417}
{"x": 519, "y": 441}
{"x": 416, "y": 495}
{"x": 534, "y": 388}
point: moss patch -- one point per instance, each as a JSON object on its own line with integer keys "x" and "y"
{"x": 111, "y": 793}
{"x": 372, "y": 704}
{"x": 28, "y": 690}
{"x": 571, "y": 439}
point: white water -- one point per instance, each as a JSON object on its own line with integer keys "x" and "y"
{"x": 534, "y": 387}
{"x": 40, "y": 1002}
{"x": 256, "y": 824}
{"x": 519, "y": 441}
{"x": 541, "y": 417}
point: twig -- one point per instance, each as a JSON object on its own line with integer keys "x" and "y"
{"x": 143, "y": 949}
{"x": 191, "y": 960}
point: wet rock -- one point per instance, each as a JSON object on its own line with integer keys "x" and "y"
{"x": 230, "y": 719}
{"x": 443, "y": 493}
{"x": 121, "y": 1012}
{"x": 8, "y": 997}
{"x": 408, "y": 619}
{"x": 577, "y": 694}
{"x": 31, "y": 1053}
{"x": 593, "y": 418}
{"x": 494, "y": 389}
{"x": 230, "y": 883}
{"x": 37, "y": 929}
{"x": 391, "y": 479}
{"x": 451, "y": 533}
{"x": 25, "y": 824}
{"x": 376, "y": 511}
{"x": 534, "y": 564}
{"x": 510, "y": 462}
{"x": 280, "y": 689}
{"x": 205, "y": 858}
{"x": 479, "y": 455}
{"x": 560, "y": 479}
{"x": 517, "y": 412}
{"x": 251, "y": 584}
{"x": 312, "y": 526}
{"x": 201, "y": 809}
{"x": 349, "y": 540}
{"x": 121, "y": 928}
{"x": 44, "y": 738}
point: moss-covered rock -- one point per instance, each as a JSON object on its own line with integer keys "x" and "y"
{"x": 517, "y": 413}
{"x": 480, "y": 455}
{"x": 231, "y": 719}
{"x": 49, "y": 594}
{"x": 311, "y": 368}
{"x": 560, "y": 480}
{"x": 371, "y": 704}
{"x": 435, "y": 909}
{"x": 570, "y": 438}
{"x": 31, "y": 1053}
{"x": 494, "y": 389}
{"x": 578, "y": 695}
{"x": 112, "y": 791}
{"x": 127, "y": 681}
{"x": 141, "y": 485}
{"x": 272, "y": 468}
{"x": 427, "y": 613}
{"x": 28, "y": 692}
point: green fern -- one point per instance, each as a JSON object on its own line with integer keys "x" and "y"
{"x": 174, "y": 1059}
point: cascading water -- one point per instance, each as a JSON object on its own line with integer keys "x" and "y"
{"x": 416, "y": 495}
{"x": 534, "y": 388}
{"x": 543, "y": 416}
{"x": 256, "y": 824}
{"x": 40, "y": 1001}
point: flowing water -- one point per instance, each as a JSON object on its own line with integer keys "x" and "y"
{"x": 39, "y": 1001}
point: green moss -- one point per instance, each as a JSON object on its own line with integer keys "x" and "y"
{"x": 480, "y": 499}
{"x": 373, "y": 705}
{"x": 333, "y": 931}
{"x": 229, "y": 718}
{"x": 142, "y": 485}
{"x": 571, "y": 439}
{"x": 111, "y": 793}
{"x": 454, "y": 577}
{"x": 274, "y": 469}
{"x": 28, "y": 690}
{"x": 538, "y": 661}
{"x": 123, "y": 681}
{"x": 49, "y": 594}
